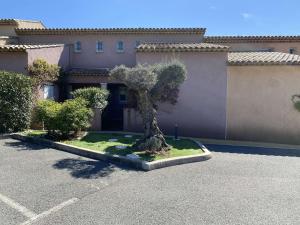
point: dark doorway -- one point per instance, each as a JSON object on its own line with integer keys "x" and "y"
{"x": 112, "y": 116}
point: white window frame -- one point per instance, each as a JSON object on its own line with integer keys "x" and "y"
{"x": 117, "y": 47}
{"x": 49, "y": 91}
{"x": 99, "y": 50}
{"x": 76, "y": 47}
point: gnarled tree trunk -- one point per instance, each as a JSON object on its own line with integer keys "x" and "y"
{"x": 153, "y": 140}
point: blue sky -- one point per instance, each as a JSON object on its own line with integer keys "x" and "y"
{"x": 220, "y": 17}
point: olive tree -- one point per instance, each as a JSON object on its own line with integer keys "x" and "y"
{"x": 151, "y": 85}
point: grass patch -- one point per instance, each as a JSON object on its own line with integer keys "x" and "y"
{"x": 100, "y": 142}
{"x": 35, "y": 133}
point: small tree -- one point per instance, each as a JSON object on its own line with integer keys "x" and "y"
{"x": 40, "y": 72}
{"x": 95, "y": 97}
{"x": 15, "y": 101}
{"x": 151, "y": 85}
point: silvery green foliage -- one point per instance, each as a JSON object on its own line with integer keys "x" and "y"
{"x": 160, "y": 80}
{"x": 169, "y": 77}
{"x": 136, "y": 78}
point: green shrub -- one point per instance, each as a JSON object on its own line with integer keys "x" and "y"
{"x": 46, "y": 112}
{"x": 96, "y": 97}
{"x": 15, "y": 101}
{"x": 74, "y": 116}
{"x": 64, "y": 119}
{"x": 41, "y": 71}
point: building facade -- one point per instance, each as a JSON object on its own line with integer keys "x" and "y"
{"x": 238, "y": 87}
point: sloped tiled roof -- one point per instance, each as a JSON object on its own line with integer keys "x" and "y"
{"x": 8, "y": 22}
{"x": 60, "y": 31}
{"x": 243, "y": 39}
{"x": 23, "y": 48}
{"x": 16, "y": 21}
{"x": 181, "y": 47}
{"x": 84, "y": 71}
{"x": 262, "y": 58}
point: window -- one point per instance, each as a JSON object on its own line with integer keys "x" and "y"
{"x": 120, "y": 46}
{"x": 292, "y": 51}
{"x": 77, "y": 46}
{"x": 48, "y": 91}
{"x": 99, "y": 46}
{"x": 123, "y": 95}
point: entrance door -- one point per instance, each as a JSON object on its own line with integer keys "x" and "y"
{"x": 112, "y": 116}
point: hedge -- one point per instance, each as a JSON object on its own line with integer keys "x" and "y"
{"x": 65, "y": 119}
{"x": 15, "y": 101}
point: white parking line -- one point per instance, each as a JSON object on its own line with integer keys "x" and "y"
{"x": 48, "y": 212}
{"x": 26, "y": 212}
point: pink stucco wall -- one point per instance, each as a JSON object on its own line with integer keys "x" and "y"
{"x": 201, "y": 107}
{"x": 259, "y": 105}
{"x": 54, "y": 55}
{"x": 18, "y": 61}
{"x": 13, "y": 61}
{"x": 89, "y": 58}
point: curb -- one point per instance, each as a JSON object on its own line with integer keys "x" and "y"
{"x": 136, "y": 163}
{"x": 249, "y": 143}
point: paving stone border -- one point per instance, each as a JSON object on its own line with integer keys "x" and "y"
{"x": 136, "y": 163}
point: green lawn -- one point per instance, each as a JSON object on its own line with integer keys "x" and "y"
{"x": 100, "y": 142}
{"x": 34, "y": 133}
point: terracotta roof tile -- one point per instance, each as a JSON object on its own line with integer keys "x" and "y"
{"x": 181, "y": 47}
{"x": 262, "y": 58}
{"x": 241, "y": 39}
{"x": 16, "y": 21}
{"x": 55, "y": 31}
{"x": 23, "y": 48}
{"x": 8, "y": 22}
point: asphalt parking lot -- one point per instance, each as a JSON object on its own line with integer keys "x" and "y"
{"x": 46, "y": 186}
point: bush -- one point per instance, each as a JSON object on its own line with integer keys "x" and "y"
{"x": 96, "y": 97}
{"x": 15, "y": 101}
{"x": 41, "y": 71}
{"x": 46, "y": 112}
{"x": 64, "y": 119}
{"x": 74, "y": 116}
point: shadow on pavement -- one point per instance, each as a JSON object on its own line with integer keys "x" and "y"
{"x": 253, "y": 150}
{"x": 87, "y": 169}
{"x": 24, "y": 146}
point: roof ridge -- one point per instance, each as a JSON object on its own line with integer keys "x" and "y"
{"x": 24, "y": 47}
{"x": 181, "y": 47}
{"x": 262, "y": 58}
{"x": 110, "y": 30}
{"x": 251, "y": 38}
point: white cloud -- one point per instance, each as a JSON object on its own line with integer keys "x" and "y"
{"x": 247, "y": 16}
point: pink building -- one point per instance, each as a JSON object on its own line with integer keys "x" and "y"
{"x": 237, "y": 87}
